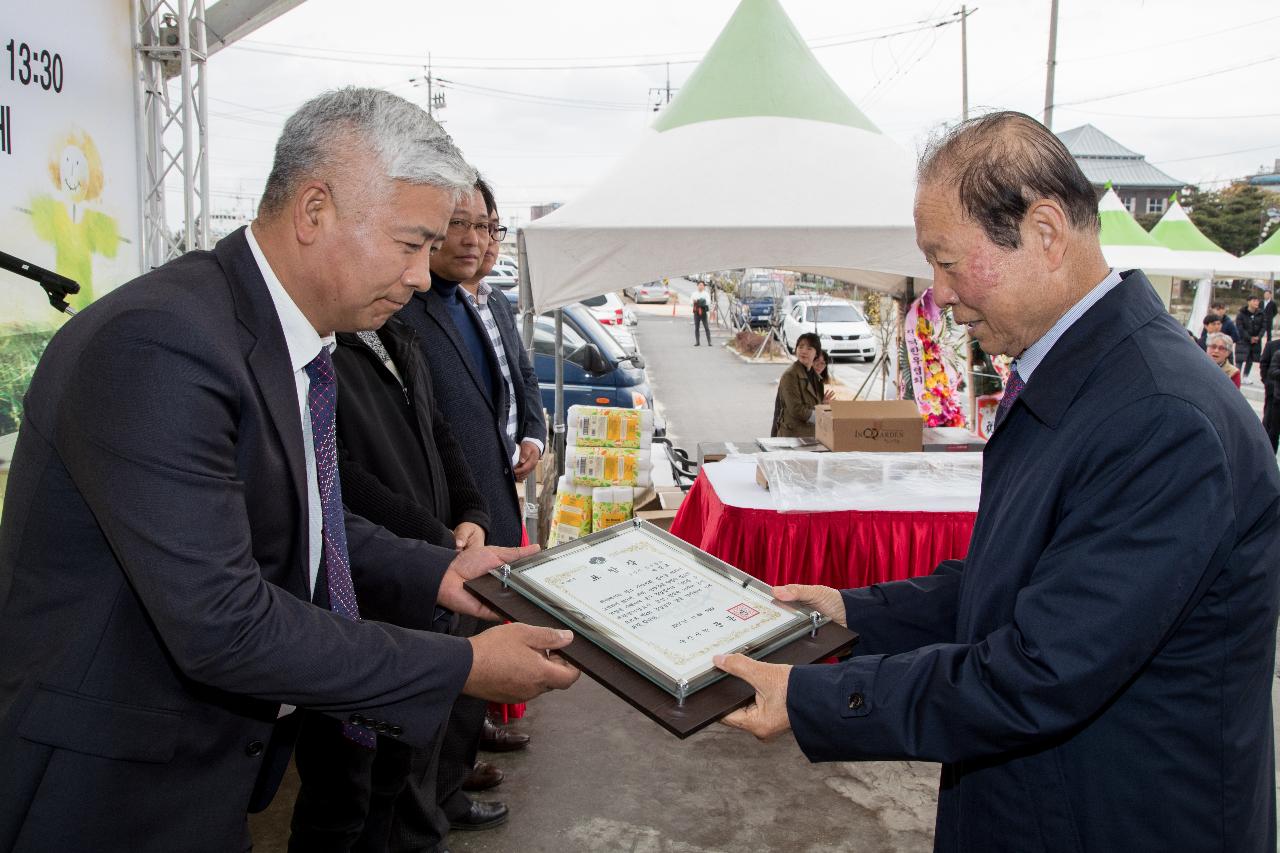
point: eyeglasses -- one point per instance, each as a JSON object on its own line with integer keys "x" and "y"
{"x": 1218, "y": 346}
{"x": 497, "y": 232}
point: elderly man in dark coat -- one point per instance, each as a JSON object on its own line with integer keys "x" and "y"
{"x": 1096, "y": 674}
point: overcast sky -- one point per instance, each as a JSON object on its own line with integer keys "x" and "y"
{"x": 544, "y": 96}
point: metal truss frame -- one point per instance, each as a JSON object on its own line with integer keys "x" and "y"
{"x": 171, "y": 102}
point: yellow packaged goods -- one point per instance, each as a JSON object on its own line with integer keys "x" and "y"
{"x": 603, "y": 426}
{"x": 610, "y": 506}
{"x": 571, "y": 518}
{"x": 607, "y": 466}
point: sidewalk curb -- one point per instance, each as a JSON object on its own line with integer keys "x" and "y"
{"x": 748, "y": 360}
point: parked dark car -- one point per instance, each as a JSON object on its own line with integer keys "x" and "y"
{"x": 597, "y": 371}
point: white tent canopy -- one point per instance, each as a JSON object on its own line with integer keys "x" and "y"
{"x": 761, "y": 161}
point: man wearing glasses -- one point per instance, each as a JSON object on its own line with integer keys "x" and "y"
{"x": 525, "y": 426}
{"x": 470, "y": 388}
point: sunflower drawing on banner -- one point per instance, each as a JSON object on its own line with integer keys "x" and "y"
{"x": 932, "y": 377}
{"x": 68, "y": 218}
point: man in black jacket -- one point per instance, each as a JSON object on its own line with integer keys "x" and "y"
{"x": 1269, "y": 370}
{"x": 402, "y": 468}
{"x": 469, "y": 386}
{"x": 1228, "y": 325}
{"x": 1251, "y": 322}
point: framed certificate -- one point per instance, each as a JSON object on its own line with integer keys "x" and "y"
{"x": 661, "y": 609}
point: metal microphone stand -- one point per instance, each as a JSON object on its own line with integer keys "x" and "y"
{"x": 57, "y": 287}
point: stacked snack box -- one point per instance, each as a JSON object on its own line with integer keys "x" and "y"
{"x": 606, "y": 459}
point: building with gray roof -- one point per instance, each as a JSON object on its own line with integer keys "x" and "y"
{"x": 1142, "y": 187}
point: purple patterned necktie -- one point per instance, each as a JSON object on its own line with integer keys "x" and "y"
{"x": 1011, "y": 392}
{"x": 321, "y": 399}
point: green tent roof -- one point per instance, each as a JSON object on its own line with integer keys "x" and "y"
{"x": 1270, "y": 246}
{"x": 1118, "y": 227}
{"x": 760, "y": 66}
{"x": 1176, "y": 230}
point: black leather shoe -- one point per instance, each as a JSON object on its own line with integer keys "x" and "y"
{"x": 480, "y": 816}
{"x": 482, "y": 777}
{"x": 495, "y": 738}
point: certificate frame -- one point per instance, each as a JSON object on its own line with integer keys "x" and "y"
{"x": 681, "y": 705}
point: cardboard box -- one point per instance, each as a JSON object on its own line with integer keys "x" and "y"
{"x": 715, "y": 451}
{"x": 646, "y": 499}
{"x": 670, "y": 499}
{"x": 870, "y": 425}
{"x": 660, "y": 517}
{"x": 952, "y": 440}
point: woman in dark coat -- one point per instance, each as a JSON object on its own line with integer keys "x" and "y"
{"x": 799, "y": 392}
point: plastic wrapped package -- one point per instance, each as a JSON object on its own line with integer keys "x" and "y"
{"x": 611, "y": 505}
{"x": 901, "y": 482}
{"x": 571, "y": 515}
{"x": 608, "y": 466}
{"x": 607, "y": 426}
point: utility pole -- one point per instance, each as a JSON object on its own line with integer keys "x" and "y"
{"x": 430, "y": 108}
{"x": 658, "y": 99}
{"x": 1053, "y": 62}
{"x": 964, "y": 63}
{"x": 435, "y": 100}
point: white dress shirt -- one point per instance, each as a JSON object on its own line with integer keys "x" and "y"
{"x": 1031, "y": 357}
{"x": 303, "y": 343}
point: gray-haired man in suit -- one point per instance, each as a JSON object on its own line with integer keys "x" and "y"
{"x": 176, "y": 573}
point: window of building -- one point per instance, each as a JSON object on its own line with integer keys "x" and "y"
{"x": 1156, "y": 204}
{"x": 1128, "y": 203}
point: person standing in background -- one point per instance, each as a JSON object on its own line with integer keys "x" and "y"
{"x": 1268, "y": 313}
{"x": 1251, "y": 324}
{"x": 701, "y": 311}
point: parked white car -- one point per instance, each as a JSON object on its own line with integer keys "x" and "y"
{"x": 841, "y": 326}
{"x": 503, "y": 279}
{"x": 606, "y": 308}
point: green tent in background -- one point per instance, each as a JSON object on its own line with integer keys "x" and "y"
{"x": 1127, "y": 245}
{"x": 1264, "y": 261}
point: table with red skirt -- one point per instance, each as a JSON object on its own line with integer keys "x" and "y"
{"x": 727, "y": 514}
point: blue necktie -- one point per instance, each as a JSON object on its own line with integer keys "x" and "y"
{"x": 1011, "y": 392}
{"x": 321, "y": 399}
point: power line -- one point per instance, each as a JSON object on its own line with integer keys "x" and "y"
{"x": 1173, "y": 118}
{"x": 1171, "y": 82}
{"x": 1164, "y": 44}
{"x": 415, "y": 61}
{"x": 553, "y": 100}
{"x": 1220, "y": 154}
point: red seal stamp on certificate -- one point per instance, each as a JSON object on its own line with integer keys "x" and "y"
{"x": 743, "y": 612}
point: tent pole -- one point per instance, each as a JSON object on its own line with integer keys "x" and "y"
{"x": 559, "y": 415}
{"x": 526, "y": 293}
{"x": 532, "y": 523}
{"x": 908, "y": 297}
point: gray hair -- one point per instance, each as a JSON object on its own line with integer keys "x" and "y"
{"x": 1002, "y": 163}
{"x": 409, "y": 144}
{"x": 1219, "y": 337}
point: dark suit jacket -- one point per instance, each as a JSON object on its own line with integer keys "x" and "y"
{"x": 528, "y": 395}
{"x": 472, "y": 413}
{"x": 400, "y": 465}
{"x": 154, "y": 609}
{"x": 1096, "y": 674}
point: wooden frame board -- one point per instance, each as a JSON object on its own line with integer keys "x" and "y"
{"x": 700, "y": 709}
